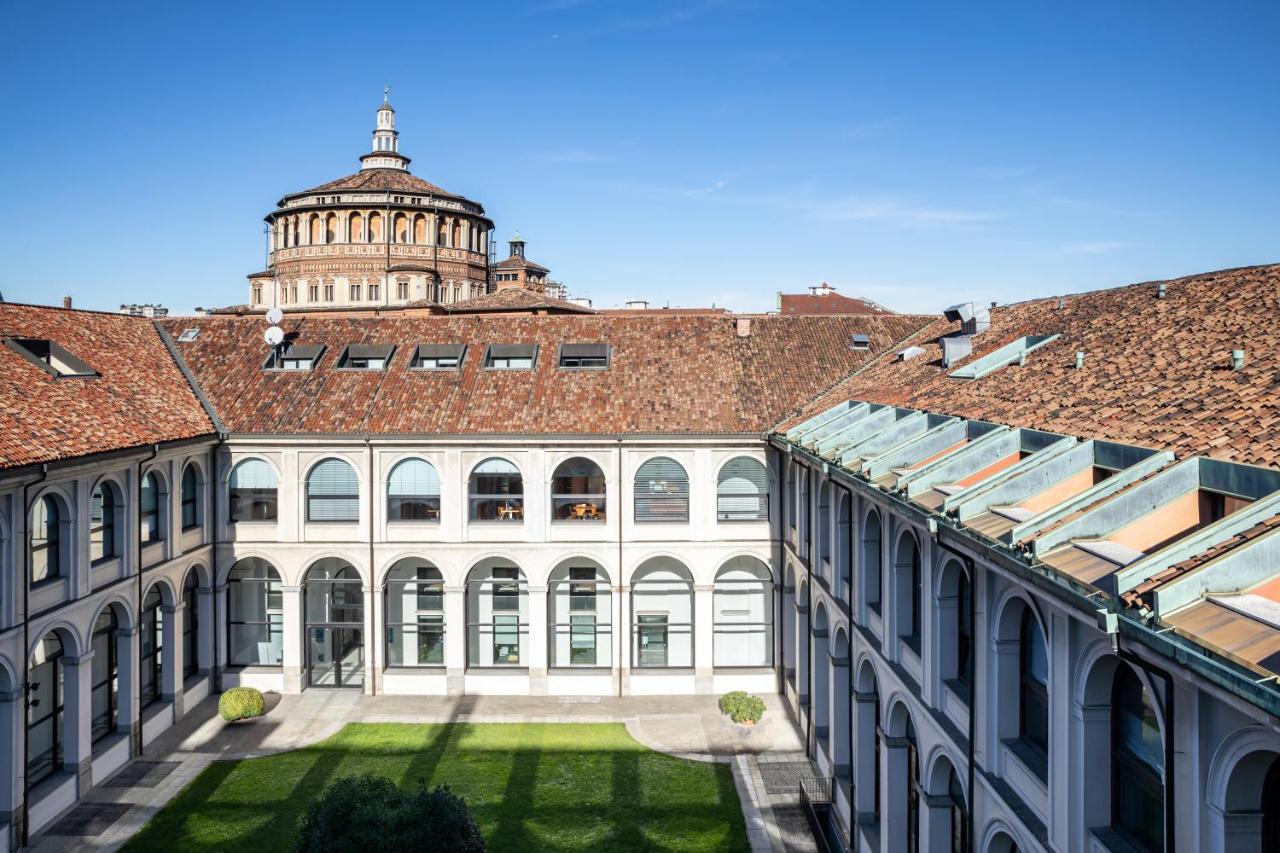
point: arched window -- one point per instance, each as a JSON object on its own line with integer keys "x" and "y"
{"x": 252, "y": 492}
{"x": 333, "y": 492}
{"x": 955, "y": 627}
{"x": 44, "y": 710}
{"x": 191, "y": 493}
{"x": 457, "y": 235}
{"x": 103, "y": 506}
{"x": 150, "y": 517}
{"x": 191, "y": 625}
{"x": 742, "y": 622}
{"x": 255, "y": 614}
{"x": 579, "y": 611}
{"x": 440, "y": 232}
{"x": 46, "y": 540}
{"x": 844, "y": 544}
{"x": 496, "y": 492}
{"x": 1033, "y": 668}
{"x": 105, "y": 686}
{"x": 871, "y": 568}
{"x": 959, "y": 813}
{"x": 330, "y": 228}
{"x": 742, "y": 491}
{"x": 420, "y": 229}
{"x": 577, "y": 491}
{"x": 1137, "y": 763}
{"x": 910, "y": 586}
{"x": 824, "y": 528}
{"x": 913, "y": 790}
{"x": 314, "y": 230}
{"x": 355, "y": 229}
{"x": 333, "y": 603}
{"x": 375, "y": 227}
{"x": 402, "y": 228}
{"x": 151, "y": 634}
{"x": 415, "y": 614}
{"x": 791, "y": 495}
{"x": 497, "y": 615}
{"x": 413, "y": 492}
{"x": 662, "y": 491}
{"x": 662, "y": 615}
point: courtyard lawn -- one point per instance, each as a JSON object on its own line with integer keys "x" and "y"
{"x": 532, "y": 786}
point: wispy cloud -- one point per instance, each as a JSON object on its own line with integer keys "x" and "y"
{"x": 1097, "y": 247}
{"x": 870, "y": 129}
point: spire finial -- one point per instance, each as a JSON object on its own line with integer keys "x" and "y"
{"x": 386, "y": 93}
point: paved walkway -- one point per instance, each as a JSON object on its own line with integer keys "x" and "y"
{"x": 767, "y": 759}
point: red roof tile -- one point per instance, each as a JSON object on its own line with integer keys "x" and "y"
{"x": 138, "y": 397}
{"x": 668, "y": 374}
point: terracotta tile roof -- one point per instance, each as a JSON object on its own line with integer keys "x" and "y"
{"x": 514, "y": 263}
{"x": 669, "y": 374}
{"x": 1156, "y": 371}
{"x": 138, "y": 397}
{"x": 832, "y": 303}
{"x": 382, "y": 179}
{"x": 516, "y": 299}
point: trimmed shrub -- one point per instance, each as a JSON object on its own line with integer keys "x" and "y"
{"x": 370, "y": 814}
{"x": 240, "y": 703}
{"x": 741, "y": 707}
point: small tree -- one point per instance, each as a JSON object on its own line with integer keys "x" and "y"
{"x": 371, "y": 814}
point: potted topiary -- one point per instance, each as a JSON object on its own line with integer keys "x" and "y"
{"x": 742, "y": 708}
{"x": 241, "y": 703}
{"x": 371, "y": 814}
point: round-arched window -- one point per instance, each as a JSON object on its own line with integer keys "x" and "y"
{"x": 742, "y": 491}
{"x": 496, "y": 492}
{"x": 413, "y": 492}
{"x": 333, "y": 492}
{"x": 662, "y": 491}
{"x": 578, "y": 491}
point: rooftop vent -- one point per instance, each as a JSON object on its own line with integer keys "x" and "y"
{"x": 584, "y": 301}
{"x": 972, "y": 317}
{"x": 188, "y": 335}
{"x": 910, "y": 353}
{"x": 438, "y": 357}
{"x": 860, "y": 342}
{"x": 49, "y": 357}
{"x": 294, "y": 357}
{"x": 955, "y": 348}
{"x": 510, "y": 356}
{"x": 366, "y": 356}
{"x": 638, "y": 304}
{"x": 584, "y": 356}
{"x": 1161, "y": 290}
{"x": 1237, "y": 359}
{"x": 743, "y": 326}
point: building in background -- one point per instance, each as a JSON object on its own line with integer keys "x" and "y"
{"x": 379, "y": 237}
{"x": 823, "y": 299}
{"x": 136, "y": 310}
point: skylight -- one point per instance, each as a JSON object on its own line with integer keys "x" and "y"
{"x": 188, "y": 335}
{"x": 584, "y": 356}
{"x": 366, "y": 356}
{"x": 510, "y": 356}
{"x": 50, "y": 357}
{"x": 438, "y": 357}
{"x": 1006, "y": 355}
{"x": 294, "y": 357}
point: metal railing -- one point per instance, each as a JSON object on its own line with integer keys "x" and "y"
{"x": 815, "y": 802}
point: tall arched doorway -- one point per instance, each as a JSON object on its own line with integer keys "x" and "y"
{"x": 334, "y": 605}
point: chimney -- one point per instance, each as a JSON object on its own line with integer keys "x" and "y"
{"x": 1237, "y": 359}
{"x": 66, "y": 302}
{"x": 744, "y": 327}
{"x": 1079, "y": 359}
{"x": 1161, "y": 289}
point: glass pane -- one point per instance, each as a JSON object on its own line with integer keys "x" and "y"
{"x": 506, "y": 639}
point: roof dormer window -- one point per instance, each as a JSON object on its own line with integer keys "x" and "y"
{"x": 510, "y": 356}
{"x": 294, "y": 357}
{"x": 50, "y": 357}
{"x": 438, "y": 357}
{"x": 584, "y": 356}
{"x": 366, "y": 357}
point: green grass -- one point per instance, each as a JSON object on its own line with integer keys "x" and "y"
{"x": 550, "y": 787}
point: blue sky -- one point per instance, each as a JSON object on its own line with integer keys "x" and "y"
{"x": 685, "y": 152}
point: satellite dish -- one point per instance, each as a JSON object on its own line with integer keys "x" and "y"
{"x": 274, "y": 316}
{"x": 274, "y": 336}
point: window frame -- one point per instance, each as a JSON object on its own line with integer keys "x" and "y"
{"x": 256, "y": 497}
{"x": 596, "y": 501}
{"x": 395, "y": 511}
{"x": 191, "y": 501}
{"x": 155, "y": 514}
{"x": 724, "y": 516}
{"x": 494, "y": 353}
{"x": 423, "y": 614}
{"x": 1030, "y": 688}
{"x": 679, "y": 497}
{"x": 108, "y": 506}
{"x": 51, "y": 543}
{"x": 336, "y": 498}
{"x": 514, "y": 500}
{"x": 274, "y": 626}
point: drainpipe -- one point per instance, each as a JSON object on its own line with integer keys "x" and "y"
{"x": 373, "y": 641}
{"x": 1124, "y": 654}
{"x": 23, "y": 832}
{"x": 215, "y": 674}
{"x": 973, "y": 687}
{"x": 618, "y": 607}
{"x": 808, "y": 647}
{"x": 137, "y": 620}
